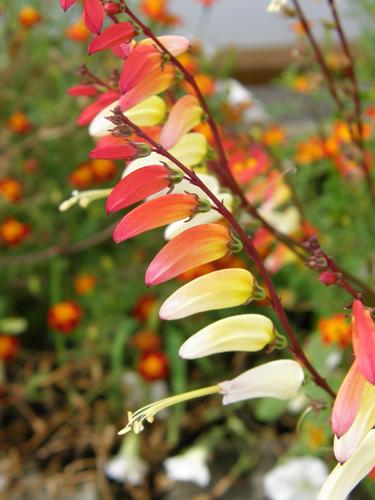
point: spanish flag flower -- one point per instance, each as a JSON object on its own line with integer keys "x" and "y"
{"x": 363, "y": 329}
{"x": 245, "y": 333}
{"x": 344, "y": 478}
{"x": 64, "y": 316}
{"x": 195, "y": 246}
{"x": 277, "y": 379}
{"x": 216, "y": 290}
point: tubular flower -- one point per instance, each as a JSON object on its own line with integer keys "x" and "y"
{"x": 112, "y": 36}
{"x": 139, "y": 184}
{"x": 93, "y": 15}
{"x": 156, "y": 213}
{"x": 175, "y": 44}
{"x": 185, "y": 115}
{"x": 344, "y": 478}
{"x": 195, "y": 246}
{"x": 279, "y": 379}
{"x": 145, "y": 114}
{"x": 191, "y": 149}
{"x": 347, "y": 401}
{"x": 216, "y": 290}
{"x": 363, "y": 331}
{"x": 346, "y": 445}
{"x": 124, "y": 151}
{"x": 246, "y": 332}
{"x": 88, "y": 114}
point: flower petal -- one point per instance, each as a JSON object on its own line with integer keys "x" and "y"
{"x": 347, "y": 401}
{"x": 176, "y": 45}
{"x": 185, "y": 115}
{"x": 279, "y": 379}
{"x": 191, "y": 149}
{"x": 344, "y": 478}
{"x": 93, "y": 15}
{"x": 155, "y": 213}
{"x": 137, "y": 186}
{"x": 217, "y": 290}
{"x": 145, "y": 114}
{"x": 89, "y": 113}
{"x": 363, "y": 329}
{"x": 246, "y": 332}
{"x": 111, "y": 36}
{"x": 195, "y": 246}
{"x": 114, "y": 152}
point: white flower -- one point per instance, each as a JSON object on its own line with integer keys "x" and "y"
{"x": 276, "y": 5}
{"x": 298, "y": 478}
{"x": 189, "y": 466}
{"x": 127, "y": 466}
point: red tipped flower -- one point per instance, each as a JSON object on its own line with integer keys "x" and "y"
{"x": 155, "y": 213}
{"x": 194, "y": 247}
{"x": 93, "y": 15}
{"x": 89, "y": 113}
{"x": 112, "y": 36}
{"x": 65, "y": 4}
{"x": 87, "y": 90}
{"x": 363, "y": 331}
{"x": 115, "y": 152}
{"x": 138, "y": 185}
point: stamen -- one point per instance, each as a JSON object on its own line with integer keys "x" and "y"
{"x": 149, "y": 411}
{"x": 83, "y": 198}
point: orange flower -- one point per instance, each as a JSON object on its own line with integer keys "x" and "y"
{"x": 11, "y": 189}
{"x": 146, "y": 341}
{"x": 303, "y": 84}
{"x": 188, "y": 61}
{"x": 9, "y": 346}
{"x": 84, "y": 283}
{"x": 104, "y": 170}
{"x": 64, "y": 316}
{"x": 298, "y": 28}
{"x": 157, "y": 10}
{"x": 310, "y": 151}
{"x": 28, "y": 16}
{"x": 335, "y": 329}
{"x": 144, "y": 307}
{"x": 82, "y": 177}
{"x": 13, "y": 232}
{"x": 343, "y": 133}
{"x": 153, "y": 366}
{"x": 19, "y": 123}
{"x": 273, "y": 136}
{"x": 205, "y": 129}
{"x": 204, "y": 82}
{"x": 77, "y": 32}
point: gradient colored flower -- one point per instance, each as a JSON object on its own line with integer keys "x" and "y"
{"x": 246, "y": 332}
{"x": 195, "y": 246}
{"x": 363, "y": 330}
{"x": 216, "y": 290}
{"x": 335, "y": 330}
{"x": 28, "y": 16}
{"x": 113, "y": 35}
{"x": 84, "y": 283}
{"x": 9, "y": 346}
{"x": 344, "y": 478}
{"x": 11, "y": 189}
{"x": 13, "y": 231}
{"x": 157, "y": 212}
{"x": 153, "y": 366}
{"x": 19, "y": 123}
{"x": 64, "y": 316}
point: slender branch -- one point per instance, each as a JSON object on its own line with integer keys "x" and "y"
{"x": 250, "y": 249}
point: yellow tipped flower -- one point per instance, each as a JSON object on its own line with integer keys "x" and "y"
{"x": 149, "y": 112}
{"x": 191, "y": 149}
{"x": 278, "y": 379}
{"x": 344, "y": 478}
{"x": 216, "y": 290}
{"x": 246, "y": 332}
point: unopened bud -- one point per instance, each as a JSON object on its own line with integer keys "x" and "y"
{"x": 143, "y": 149}
{"x": 112, "y": 7}
{"x": 329, "y": 278}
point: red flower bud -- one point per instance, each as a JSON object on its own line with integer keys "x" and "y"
{"x": 329, "y": 278}
{"x": 112, "y": 8}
